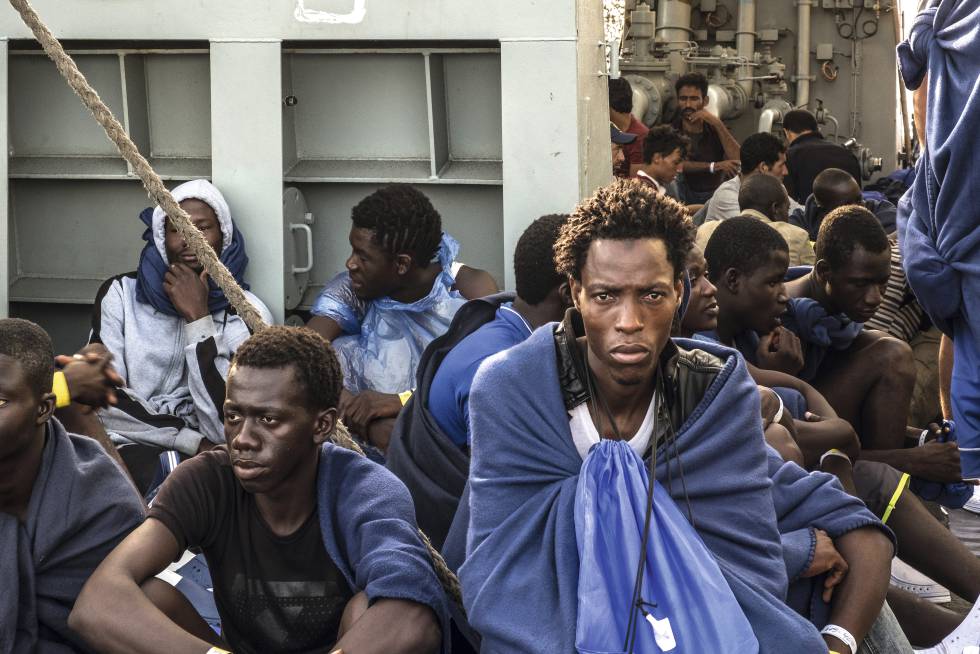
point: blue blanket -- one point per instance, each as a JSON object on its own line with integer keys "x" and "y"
{"x": 82, "y": 505}
{"x": 367, "y": 519}
{"x": 819, "y": 332}
{"x": 520, "y": 576}
{"x": 939, "y": 216}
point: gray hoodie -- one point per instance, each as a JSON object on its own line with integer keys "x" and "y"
{"x": 174, "y": 370}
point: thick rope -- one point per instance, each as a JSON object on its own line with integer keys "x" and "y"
{"x": 151, "y": 181}
{"x": 182, "y": 222}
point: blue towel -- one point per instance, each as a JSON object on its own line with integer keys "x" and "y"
{"x": 939, "y": 216}
{"x": 82, "y": 505}
{"x": 152, "y": 268}
{"x": 819, "y": 332}
{"x": 367, "y": 519}
{"x": 520, "y": 576}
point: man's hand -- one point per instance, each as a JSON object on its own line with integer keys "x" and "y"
{"x": 358, "y": 411}
{"x": 188, "y": 291}
{"x": 826, "y": 558}
{"x": 936, "y": 462}
{"x": 780, "y": 350}
{"x": 91, "y": 377}
{"x": 730, "y": 167}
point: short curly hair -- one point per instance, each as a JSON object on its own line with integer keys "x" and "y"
{"x": 30, "y": 346}
{"x": 663, "y": 140}
{"x": 403, "y": 220}
{"x": 743, "y": 243}
{"x": 312, "y": 355}
{"x": 697, "y": 80}
{"x": 534, "y": 259}
{"x": 624, "y": 210}
{"x": 846, "y": 229}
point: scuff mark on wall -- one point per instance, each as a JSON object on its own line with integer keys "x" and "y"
{"x": 356, "y": 15}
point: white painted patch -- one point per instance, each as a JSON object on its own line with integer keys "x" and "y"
{"x": 355, "y": 16}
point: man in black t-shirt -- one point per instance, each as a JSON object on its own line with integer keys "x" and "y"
{"x": 713, "y": 153}
{"x": 310, "y": 547}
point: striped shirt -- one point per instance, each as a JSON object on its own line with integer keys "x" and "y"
{"x": 899, "y": 314}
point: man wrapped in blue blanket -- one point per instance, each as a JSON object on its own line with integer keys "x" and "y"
{"x": 607, "y": 387}
{"x": 311, "y": 547}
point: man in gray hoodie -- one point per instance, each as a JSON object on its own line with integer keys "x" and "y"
{"x": 172, "y": 332}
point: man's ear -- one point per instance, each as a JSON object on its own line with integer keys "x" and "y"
{"x": 565, "y": 293}
{"x": 574, "y": 289}
{"x": 730, "y": 280}
{"x": 323, "y": 426}
{"x": 821, "y": 269}
{"x": 45, "y": 409}
{"x": 679, "y": 291}
{"x": 403, "y": 263}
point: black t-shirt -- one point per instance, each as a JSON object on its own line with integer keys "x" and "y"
{"x": 705, "y": 147}
{"x": 273, "y": 594}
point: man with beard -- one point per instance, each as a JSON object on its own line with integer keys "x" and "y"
{"x": 714, "y": 152}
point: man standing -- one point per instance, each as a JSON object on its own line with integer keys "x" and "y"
{"x": 64, "y": 504}
{"x": 760, "y": 153}
{"x": 664, "y": 150}
{"x": 810, "y": 154}
{"x": 620, "y": 115}
{"x": 608, "y": 379}
{"x": 714, "y": 152}
{"x": 311, "y": 547}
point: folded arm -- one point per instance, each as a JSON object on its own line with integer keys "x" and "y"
{"x": 114, "y": 615}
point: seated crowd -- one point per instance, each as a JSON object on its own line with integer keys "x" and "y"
{"x": 699, "y": 422}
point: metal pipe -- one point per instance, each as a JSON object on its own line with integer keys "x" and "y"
{"x": 745, "y": 42}
{"x": 674, "y": 26}
{"x": 767, "y": 119}
{"x": 803, "y": 52}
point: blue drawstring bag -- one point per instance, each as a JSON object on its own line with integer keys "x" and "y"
{"x": 952, "y": 496}
{"x": 688, "y": 607}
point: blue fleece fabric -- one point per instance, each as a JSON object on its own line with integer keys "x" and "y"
{"x": 367, "y": 520}
{"x": 520, "y": 577}
{"x": 152, "y": 268}
{"x": 939, "y": 216}
{"x": 819, "y": 332}
{"x": 82, "y": 505}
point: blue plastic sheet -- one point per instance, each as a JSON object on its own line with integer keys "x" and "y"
{"x": 690, "y": 605}
{"x": 384, "y": 339}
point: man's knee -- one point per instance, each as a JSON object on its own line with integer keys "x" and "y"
{"x": 894, "y": 358}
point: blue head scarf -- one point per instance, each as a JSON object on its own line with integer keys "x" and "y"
{"x": 153, "y": 264}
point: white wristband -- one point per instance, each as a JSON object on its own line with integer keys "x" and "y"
{"x": 923, "y": 436}
{"x": 841, "y": 634}
{"x": 779, "y": 414}
{"x": 711, "y": 167}
{"x": 833, "y": 452}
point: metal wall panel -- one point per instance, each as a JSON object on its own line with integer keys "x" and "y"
{"x": 179, "y": 105}
{"x": 6, "y": 226}
{"x": 52, "y": 120}
{"x": 473, "y": 103}
{"x": 247, "y": 154}
{"x": 360, "y": 106}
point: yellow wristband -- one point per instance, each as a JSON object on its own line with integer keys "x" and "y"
{"x": 217, "y": 650}
{"x": 404, "y": 397}
{"x": 833, "y": 652}
{"x": 59, "y": 386}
